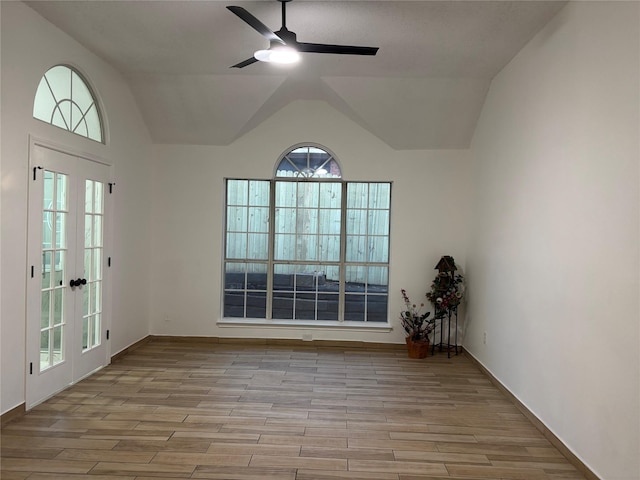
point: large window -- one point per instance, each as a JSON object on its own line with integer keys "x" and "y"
{"x": 307, "y": 246}
{"x": 64, "y": 99}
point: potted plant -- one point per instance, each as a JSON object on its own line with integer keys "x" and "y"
{"x": 418, "y": 327}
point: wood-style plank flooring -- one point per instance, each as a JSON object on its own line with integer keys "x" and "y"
{"x": 277, "y": 412}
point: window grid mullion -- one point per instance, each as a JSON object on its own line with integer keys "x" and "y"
{"x": 343, "y": 252}
{"x": 271, "y": 247}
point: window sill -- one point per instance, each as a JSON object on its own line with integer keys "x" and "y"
{"x": 320, "y": 324}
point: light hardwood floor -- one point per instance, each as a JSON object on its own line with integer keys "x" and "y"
{"x": 278, "y": 412}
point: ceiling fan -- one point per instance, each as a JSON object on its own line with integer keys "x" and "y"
{"x": 283, "y": 44}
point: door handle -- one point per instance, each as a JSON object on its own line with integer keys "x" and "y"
{"x": 78, "y": 282}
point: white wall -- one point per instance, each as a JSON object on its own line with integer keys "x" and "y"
{"x": 553, "y": 259}
{"x": 428, "y": 217}
{"x": 30, "y": 46}
{"x": 553, "y": 243}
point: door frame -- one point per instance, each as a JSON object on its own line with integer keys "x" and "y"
{"x": 108, "y": 249}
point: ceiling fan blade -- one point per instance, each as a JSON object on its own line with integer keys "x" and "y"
{"x": 339, "y": 49}
{"x": 247, "y": 62}
{"x": 255, "y": 24}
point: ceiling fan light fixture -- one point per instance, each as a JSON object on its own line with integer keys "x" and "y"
{"x": 284, "y": 47}
{"x": 281, "y": 55}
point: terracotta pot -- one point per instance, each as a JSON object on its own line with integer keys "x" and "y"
{"x": 417, "y": 349}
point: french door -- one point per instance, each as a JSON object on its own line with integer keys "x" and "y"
{"x": 66, "y": 285}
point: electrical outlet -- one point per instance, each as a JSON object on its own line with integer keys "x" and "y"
{"x": 484, "y": 338}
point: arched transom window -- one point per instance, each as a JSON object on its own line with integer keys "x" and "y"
{"x": 64, "y": 99}
{"x": 308, "y": 161}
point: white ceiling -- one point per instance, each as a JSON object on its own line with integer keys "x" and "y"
{"x": 424, "y": 89}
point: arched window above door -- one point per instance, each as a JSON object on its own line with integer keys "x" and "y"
{"x": 64, "y": 99}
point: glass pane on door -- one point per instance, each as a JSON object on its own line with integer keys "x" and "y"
{"x": 52, "y": 286}
{"x": 93, "y": 246}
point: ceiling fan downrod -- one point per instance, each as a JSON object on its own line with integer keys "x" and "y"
{"x": 284, "y": 13}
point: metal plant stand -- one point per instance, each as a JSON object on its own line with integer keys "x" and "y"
{"x": 445, "y": 297}
{"x": 441, "y": 315}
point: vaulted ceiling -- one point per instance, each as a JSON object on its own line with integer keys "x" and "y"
{"x": 423, "y": 90}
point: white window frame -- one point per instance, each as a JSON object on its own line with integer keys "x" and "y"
{"x": 342, "y": 264}
{"x": 63, "y": 102}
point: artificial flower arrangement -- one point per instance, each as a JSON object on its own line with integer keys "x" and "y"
{"x": 446, "y": 292}
{"x": 417, "y": 325}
